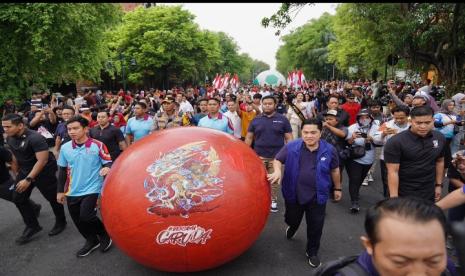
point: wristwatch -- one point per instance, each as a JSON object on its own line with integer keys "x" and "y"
{"x": 29, "y": 179}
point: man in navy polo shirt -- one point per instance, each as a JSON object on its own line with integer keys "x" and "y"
{"x": 269, "y": 131}
{"x": 83, "y": 162}
{"x": 140, "y": 125}
{"x": 307, "y": 160}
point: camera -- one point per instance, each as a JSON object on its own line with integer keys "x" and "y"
{"x": 290, "y": 97}
{"x": 384, "y": 100}
{"x": 364, "y": 135}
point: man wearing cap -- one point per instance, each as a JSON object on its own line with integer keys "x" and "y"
{"x": 335, "y": 135}
{"x": 215, "y": 119}
{"x": 167, "y": 116}
{"x": 138, "y": 126}
{"x": 360, "y": 135}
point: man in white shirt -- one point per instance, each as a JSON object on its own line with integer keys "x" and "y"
{"x": 184, "y": 105}
{"x": 265, "y": 91}
{"x": 385, "y": 132}
{"x": 234, "y": 117}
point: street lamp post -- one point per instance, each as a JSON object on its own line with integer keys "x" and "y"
{"x": 123, "y": 75}
{"x": 123, "y": 68}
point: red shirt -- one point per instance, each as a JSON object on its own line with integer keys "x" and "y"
{"x": 352, "y": 109}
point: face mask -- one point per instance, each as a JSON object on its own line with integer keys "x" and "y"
{"x": 365, "y": 122}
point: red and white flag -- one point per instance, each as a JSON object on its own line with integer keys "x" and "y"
{"x": 295, "y": 79}
{"x": 215, "y": 80}
{"x": 299, "y": 78}
{"x": 234, "y": 82}
{"x": 225, "y": 81}
{"x": 289, "y": 79}
{"x": 218, "y": 82}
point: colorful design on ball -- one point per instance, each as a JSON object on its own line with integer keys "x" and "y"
{"x": 184, "y": 181}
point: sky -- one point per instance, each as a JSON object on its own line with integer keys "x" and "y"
{"x": 242, "y": 21}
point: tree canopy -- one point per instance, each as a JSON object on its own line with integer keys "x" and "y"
{"x": 307, "y": 48}
{"x": 365, "y": 34}
{"x": 44, "y": 43}
{"x": 170, "y": 48}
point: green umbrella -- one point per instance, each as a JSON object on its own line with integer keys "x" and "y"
{"x": 270, "y": 77}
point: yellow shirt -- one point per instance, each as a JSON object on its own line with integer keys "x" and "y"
{"x": 246, "y": 118}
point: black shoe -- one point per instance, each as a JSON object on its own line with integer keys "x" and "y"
{"x": 355, "y": 208}
{"x": 314, "y": 261}
{"x": 88, "y": 248}
{"x": 105, "y": 243}
{"x": 36, "y": 208}
{"x": 290, "y": 233}
{"x": 57, "y": 229}
{"x": 28, "y": 234}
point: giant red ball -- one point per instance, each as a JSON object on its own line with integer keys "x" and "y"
{"x": 186, "y": 199}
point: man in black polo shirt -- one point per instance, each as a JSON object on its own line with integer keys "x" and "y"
{"x": 7, "y": 185}
{"x": 37, "y": 167}
{"x": 415, "y": 158}
{"x": 111, "y": 136}
{"x": 270, "y": 130}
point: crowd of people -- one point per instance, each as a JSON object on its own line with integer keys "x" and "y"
{"x": 65, "y": 145}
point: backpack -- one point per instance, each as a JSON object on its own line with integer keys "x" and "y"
{"x": 344, "y": 266}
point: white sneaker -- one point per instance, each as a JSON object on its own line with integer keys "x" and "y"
{"x": 370, "y": 177}
{"x": 365, "y": 182}
{"x": 274, "y": 206}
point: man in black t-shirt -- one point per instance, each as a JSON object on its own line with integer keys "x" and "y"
{"x": 44, "y": 121}
{"x": 415, "y": 158}
{"x": 110, "y": 135}
{"x": 36, "y": 167}
{"x": 7, "y": 185}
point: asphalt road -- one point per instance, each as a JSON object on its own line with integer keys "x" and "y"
{"x": 271, "y": 254}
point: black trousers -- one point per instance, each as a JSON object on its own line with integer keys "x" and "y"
{"x": 315, "y": 218}
{"x": 447, "y": 154}
{"x": 83, "y": 211}
{"x": 357, "y": 173}
{"x": 6, "y": 193}
{"x": 46, "y": 182}
{"x": 382, "y": 166}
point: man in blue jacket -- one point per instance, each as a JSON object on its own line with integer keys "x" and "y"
{"x": 311, "y": 168}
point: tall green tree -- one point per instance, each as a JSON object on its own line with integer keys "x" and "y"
{"x": 45, "y": 43}
{"x": 230, "y": 60}
{"x": 251, "y": 68}
{"x": 423, "y": 34}
{"x": 166, "y": 43}
{"x": 307, "y": 48}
